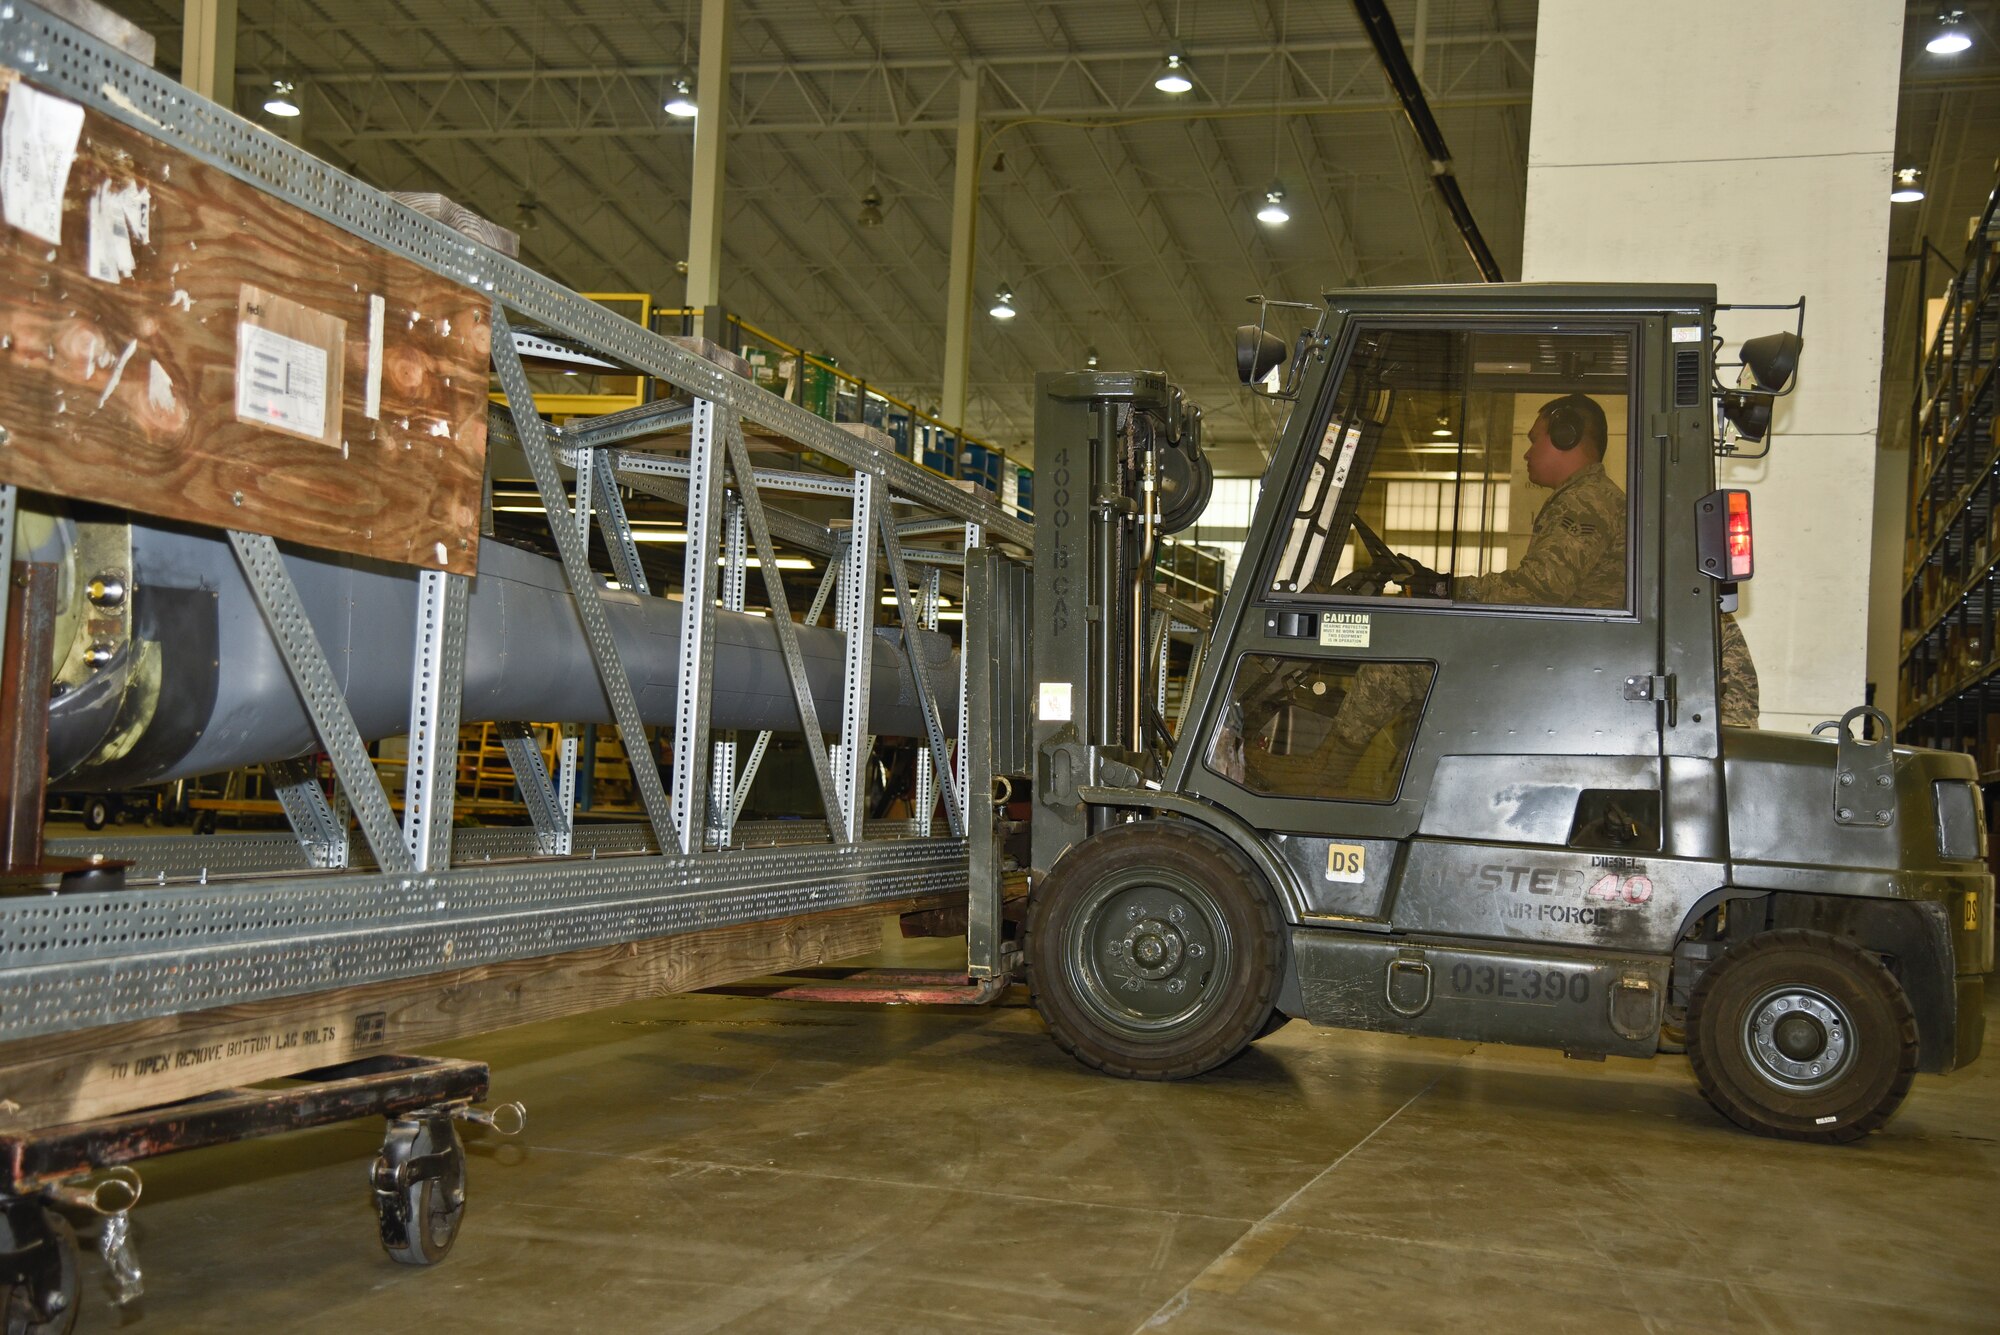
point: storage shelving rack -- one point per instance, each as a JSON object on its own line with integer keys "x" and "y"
{"x": 1949, "y": 684}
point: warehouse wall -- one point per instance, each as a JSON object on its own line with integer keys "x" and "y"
{"x": 1750, "y": 146}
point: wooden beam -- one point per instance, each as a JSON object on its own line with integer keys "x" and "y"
{"x": 90, "y": 1073}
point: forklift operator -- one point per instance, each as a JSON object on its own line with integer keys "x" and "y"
{"x": 1575, "y": 558}
{"x": 1576, "y": 555}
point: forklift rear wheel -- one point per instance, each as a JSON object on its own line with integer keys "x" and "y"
{"x": 45, "y": 1302}
{"x": 1802, "y": 1035}
{"x": 1153, "y": 951}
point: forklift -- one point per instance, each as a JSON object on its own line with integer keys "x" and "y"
{"x": 1454, "y": 762}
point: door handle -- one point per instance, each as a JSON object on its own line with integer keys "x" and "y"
{"x": 1292, "y": 625}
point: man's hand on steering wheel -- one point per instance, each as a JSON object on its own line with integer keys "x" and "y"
{"x": 1389, "y": 566}
{"x": 1420, "y": 581}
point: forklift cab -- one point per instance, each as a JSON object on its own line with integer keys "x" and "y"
{"x": 1452, "y": 621}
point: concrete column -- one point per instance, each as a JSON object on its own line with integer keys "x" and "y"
{"x": 704, "y": 256}
{"x": 208, "y": 49}
{"x": 964, "y": 239}
{"x": 1750, "y": 146}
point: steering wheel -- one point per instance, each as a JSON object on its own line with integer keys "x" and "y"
{"x": 1385, "y": 566}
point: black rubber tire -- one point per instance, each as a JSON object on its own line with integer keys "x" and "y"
{"x": 1877, "y": 1026}
{"x": 433, "y": 1218}
{"x": 1202, "y": 914}
{"x": 1277, "y": 1020}
{"x": 18, "y": 1303}
{"x": 96, "y": 813}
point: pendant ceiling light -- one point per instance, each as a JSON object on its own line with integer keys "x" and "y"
{"x": 1951, "y": 37}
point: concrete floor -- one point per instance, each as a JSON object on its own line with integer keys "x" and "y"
{"x": 709, "y": 1164}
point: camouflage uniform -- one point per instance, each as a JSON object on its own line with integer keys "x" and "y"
{"x": 1576, "y": 556}
{"x": 1739, "y": 678}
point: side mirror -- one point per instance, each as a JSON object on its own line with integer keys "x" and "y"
{"x": 1772, "y": 360}
{"x": 1258, "y": 353}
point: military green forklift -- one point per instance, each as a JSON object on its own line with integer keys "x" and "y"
{"x": 1454, "y": 760}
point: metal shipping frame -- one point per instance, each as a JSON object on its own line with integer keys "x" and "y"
{"x": 177, "y": 939}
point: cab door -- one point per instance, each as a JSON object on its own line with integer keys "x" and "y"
{"x": 1426, "y": 665}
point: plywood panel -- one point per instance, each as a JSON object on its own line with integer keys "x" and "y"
{"x": 122, "y": 344}
{"x": 96, "y": 1072}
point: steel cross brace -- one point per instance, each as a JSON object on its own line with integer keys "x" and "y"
{"x": 751, "y": 509}
{"x": 899, "y": 578}
{"x": 829, "y": 579}
{"x": 927, "y": 613}
{"x": 540, "y": 454}
{"x": 321, "y": 833}
{"x": 552, "y": 810}
{"x": 278, "y": 598}
{"x": 602, "y": 465}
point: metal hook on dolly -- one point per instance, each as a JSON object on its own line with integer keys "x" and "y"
{"x": 113, "y": 1197}
{"x": 506, "y": 1119}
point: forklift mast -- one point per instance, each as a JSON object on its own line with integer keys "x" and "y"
{"x": 1118, "y": 466}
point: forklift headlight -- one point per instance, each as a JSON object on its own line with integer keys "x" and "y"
{"x": 1960, "y": 822}
{"x": 1772, "y": 360}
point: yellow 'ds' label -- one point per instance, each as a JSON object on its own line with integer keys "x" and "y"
{"x": 1972, "y": 910}
{"x": 1346, "y": 862}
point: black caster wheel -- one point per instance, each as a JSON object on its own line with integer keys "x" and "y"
{"x": 419, "y": 1189}
{"x": 39, "y": 1271}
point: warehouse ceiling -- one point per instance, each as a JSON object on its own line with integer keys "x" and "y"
{"x": 1121, "y": 218}
{"x": 1948, "y": 128}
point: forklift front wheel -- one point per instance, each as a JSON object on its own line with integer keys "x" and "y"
{"x": 1154, "y": 951}
{"x": 1802, "y": 1035}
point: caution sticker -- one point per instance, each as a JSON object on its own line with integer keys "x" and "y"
{"x": 1344, "y": 630}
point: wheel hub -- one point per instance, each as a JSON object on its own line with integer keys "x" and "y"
{"x": 1150, "y": 952}
{"x": 1798, "y": 1037}
{"x": 1155, "y": 947}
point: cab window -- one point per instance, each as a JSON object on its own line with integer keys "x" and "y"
{"x": 1469, "y": 466}
{"x": 1320, "y": 727}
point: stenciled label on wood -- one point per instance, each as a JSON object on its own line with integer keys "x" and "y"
{"x": 95, "y": 1073}
{"x": 179, "y": 343}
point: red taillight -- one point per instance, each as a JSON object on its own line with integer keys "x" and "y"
{"x": 1740, "y": 563}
